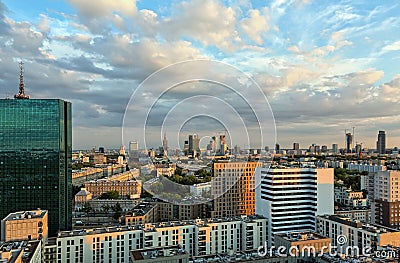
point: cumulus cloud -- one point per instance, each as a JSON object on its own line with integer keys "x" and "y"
{"x": 256, "y": 24}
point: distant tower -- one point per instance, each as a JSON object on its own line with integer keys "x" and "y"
{"x": 349, "y": 142}
{"x": 335, "y": 148}
{"x": 296, "y": 146}
{"x": 21, "y": 95}
{"x": 381, "y": 143}
{"x": 165, "y": 144}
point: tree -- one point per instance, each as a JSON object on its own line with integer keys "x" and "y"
{"x": 117, "y": 211}
{"x": 114, "y": 194}
{"x": 87, "y": 207}
{"x": 106, "y": 208}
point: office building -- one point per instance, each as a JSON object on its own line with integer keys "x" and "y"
{"x": 385, "y": 203}
{"x": 36, "y": 158}
{"x": 335, "y": 148}
{"x": 381, "y": 143}
{"x": 358, "y": 234}
{"x": 25, "y": 225}
{"x": 194, "y": 145}
{"x": 134, "y": 151}
{"x": 290, "y": 198}
{"x": 296, "y": 146}
{"x": 233, "y": 188}
{"x": 349, "y": 142}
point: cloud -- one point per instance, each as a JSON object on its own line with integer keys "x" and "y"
{"x": 392, "y": 47}
{"x": 256, "y": 24}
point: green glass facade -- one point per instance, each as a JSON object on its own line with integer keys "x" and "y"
{"x": 36, "y": 159}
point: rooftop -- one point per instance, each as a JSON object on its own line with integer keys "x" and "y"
{"x": 153, "y": 226}
{"x": 301, "y": 236}
{"x": 15, "y": 248}
{"x": 21, "y": 215}
{"x": 153, "y": 253}
{"x": 142, "y": 208}
{"x": 373, "y": 228}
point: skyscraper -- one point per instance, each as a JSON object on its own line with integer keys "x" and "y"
{"x": 296, "y": 146}
{"x": 335, "y": 148}
{"x": 349, "y": 142}
{"x": 134, "y": 151}
{"x": 194, "y": 145}
{"x": 36, "y": 158}
{"x": 381, "y": 143}
{"x": 165, "y": 143}
{"x": 291, "y": 198}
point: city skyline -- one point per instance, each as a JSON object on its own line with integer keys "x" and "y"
{"x": 339, "y": 73}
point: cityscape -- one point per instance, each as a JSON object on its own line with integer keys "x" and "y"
{"x": 199, "y": 131}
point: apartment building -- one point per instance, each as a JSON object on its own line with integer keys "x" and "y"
{"x": 197, "y": 237}
{"x": 357, "y": 233}
{"x": 233, "y": 188}
{"x": 385, "y": 205}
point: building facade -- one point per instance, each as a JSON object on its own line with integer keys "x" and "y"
{"x": 197, "y": 237}
{"x": 130, "y": 188}
{"x": 233, "y": 188}
{"x": 385, "y": 205}
{"x": 25, "y": 225}
{"x": 357, "y": 234}
{"x": 292, "y": 197}
{"x": 381, "y": 143}
{"x": 36, "y": 159}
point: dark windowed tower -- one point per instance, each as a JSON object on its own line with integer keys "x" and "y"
{"x": 36, "y": 158}
{"x": 381, "y": 143}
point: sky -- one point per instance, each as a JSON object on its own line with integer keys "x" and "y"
{"x": 324, "y": 66}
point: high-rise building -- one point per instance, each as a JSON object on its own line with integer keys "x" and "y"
{"x": 335, "y": 148}
{"x": 165, "y": 144}
{"x": 194, "y": 145}
{"x": 134, "y": 151}
{"x": 36, "y": 157}
{"x": 381, "y": 143}
{"x": 386, "y": 198}
{"x": 233, "y": 187}
{"x": 296, "y": 146}
{"x": 349, "y": 142}
{"x": 291, "y": 198}
{"x": 277, "y": 147}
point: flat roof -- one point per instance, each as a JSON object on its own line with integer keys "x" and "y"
{"x": 159, "y": 252}
{"x": 23, "y": 215}
{"x": 301, "y": 236}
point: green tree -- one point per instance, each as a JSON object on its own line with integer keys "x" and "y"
{"x": 114, "y": 194}
{"x": 117, "y": 211}
{"x": 106, "y": 208}
{"x": 87, "y": 208}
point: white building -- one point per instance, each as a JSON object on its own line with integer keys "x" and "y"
{"x": 370, "y": 168}
{"x": 356, "y": 233}
{"x": 291, "y": 198}
{"x": 199, "y": 189}
{"x": 198, "y": 237}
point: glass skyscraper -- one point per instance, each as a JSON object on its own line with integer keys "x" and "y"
{"x": 36, "y": 158}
